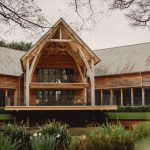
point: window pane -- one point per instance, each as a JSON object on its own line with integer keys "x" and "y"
{"x": 137, "y": 96}
{"x": 98, "y": 97}
{"x": 127, "y": 97}
{"x": 117, "y": 97}
{"x": 58, "y": 75}
{"x": 52, "y": 75}
{"x": 39, "y": 95}
{"x": 147, "y": 96}
{"x": 39, "y": 75}
{"x": 45, "y": 75}
{"x": 106, "y": 97}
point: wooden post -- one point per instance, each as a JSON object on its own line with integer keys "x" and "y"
{"x": 15, "y": 98}
{"x": 111, "y": 97}
{"x": 143, "y": 96}
{"x": 101, "y": 97}
{"x": 6, "y": 98}
{"x": 27, "y": 84}
{"x": 92, "y": 84}
{"x": 85, "y": 94}
{"x": 132, "y": 96}
{"x": 121, "y": 97}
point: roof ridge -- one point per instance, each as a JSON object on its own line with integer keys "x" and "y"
{"x": 122, "y": 46}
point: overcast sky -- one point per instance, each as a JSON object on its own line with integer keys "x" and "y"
{"x": 113, "y": 30}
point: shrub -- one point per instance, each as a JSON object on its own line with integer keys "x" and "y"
{"x": 141, "y": 130}
{"x": 43, "y": 142}
{"x": 78, "y": 143}
{"x": 17, "y": 133}
{"x": 133, "y": 109}
{"x": 59, "y": 131}
{"x": 109, "y": 137}
{"x": 6, "y": 143}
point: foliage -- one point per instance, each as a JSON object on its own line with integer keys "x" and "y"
{"x": 17, "y": 133}
{"x": 43, "y": 142}
{"x": 141, "y": 130}
{"x": 6, "y": 143}
{"x": 24, "y": 46}
{"x": 59, "y": 131}
{"x": 133, "y": 109}
{"x": 22, "y": 13}
{"x": 109, "y": 137}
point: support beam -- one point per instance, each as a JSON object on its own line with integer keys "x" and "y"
{"x": 121, "y": 90}
{"x": 111, "y": 97}
{"x": 143, "y": 96}
{"x": 15, "y": 97}
{"x": 92, "y": 84}
{"x": 132, "y": 96}
{"x": 61, "y": 40}
{"x": 6, "y": 98}
{"x": 101, "y": 97}
{"x": 27, "y": 94}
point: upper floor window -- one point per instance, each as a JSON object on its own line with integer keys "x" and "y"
{"x": 55, "y": 75}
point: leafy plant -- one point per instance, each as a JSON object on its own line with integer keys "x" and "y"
{"x": 43, "y": 142}
{"x": 17, "y": 133}
{"x": 59, "y": 131}
{"x": 109, "y": 137}
{"x": 6, "y": 143}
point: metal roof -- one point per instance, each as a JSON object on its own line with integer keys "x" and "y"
{"x": 123, "y": 60}
{"x": 114, "y": 61}
{"x": 10, "y": 61}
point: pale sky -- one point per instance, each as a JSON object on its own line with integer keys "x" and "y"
{"x": 113, "y": 30}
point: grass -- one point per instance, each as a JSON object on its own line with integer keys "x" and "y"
{"x": 129, "y": 115}
{"x": 6, "y": 117}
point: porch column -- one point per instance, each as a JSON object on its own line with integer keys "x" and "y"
{"x": 15, "y": 98}
{"x": 111, "y": 97}
{"x": 6, "y": 98}
{"x": 101, "y": 97}
{"x": 27, "y": 84}
{"x": 132, "y": 96}
{"x": 143, "y": 96}
{"x": 121, "y": 97}
{"x": 92, "y": 84}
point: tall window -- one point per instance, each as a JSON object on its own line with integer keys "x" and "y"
{"x": 137, "y": 97}
{"x": 127, "y": 97}
{"x": 117, "y": 96}
{"x": 55, "y": 75}
{"x": 147, "y": 96}
{"x": 54, "y": 97}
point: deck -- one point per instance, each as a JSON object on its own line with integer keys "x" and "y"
{"x": 59, "y": 108}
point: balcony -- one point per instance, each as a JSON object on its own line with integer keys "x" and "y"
{"x": 47, "y": 85}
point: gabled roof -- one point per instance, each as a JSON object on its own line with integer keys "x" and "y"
{"x": 10, "y": 61}
{"x": 72, "y": 33}
{"x": 123, "y": 60}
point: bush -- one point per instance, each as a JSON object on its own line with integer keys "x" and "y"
{"x": 133, "y": 109}
{"x": 43, "y": 142}
{"x": 6, "y": 143}
{"x": 59, "y": 131}
{"x": 17, "y": 133}
{"x": 141, "y": 130}
{"x": 109, "y": 137}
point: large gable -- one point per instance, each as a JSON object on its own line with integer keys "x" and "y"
{"x": 61, "y": 32}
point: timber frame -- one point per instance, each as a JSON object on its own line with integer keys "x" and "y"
{"x": 83, "y": 56}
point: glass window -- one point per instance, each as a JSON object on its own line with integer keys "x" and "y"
{"x": 55, "y": 75}
{"x": 147, "y": 96}
{"x": 117, "y": 97}
{"x": 106, "y": 97}
{"x": 137, "y": 96}
{"x": 127, "y": 97}
{"x": 98, "y": 97}
{"x": 52, "y": 75}
{"x": 45, "y": 75}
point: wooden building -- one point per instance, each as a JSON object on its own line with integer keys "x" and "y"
{"x": 60, "y": 72}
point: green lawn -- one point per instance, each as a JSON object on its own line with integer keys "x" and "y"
{"x": 128, "y": 115}
{"x": 5, "y": 117}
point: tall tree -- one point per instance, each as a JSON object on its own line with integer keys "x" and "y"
{"x": 137, "y": 11}
{"x": 24, "y": 13}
